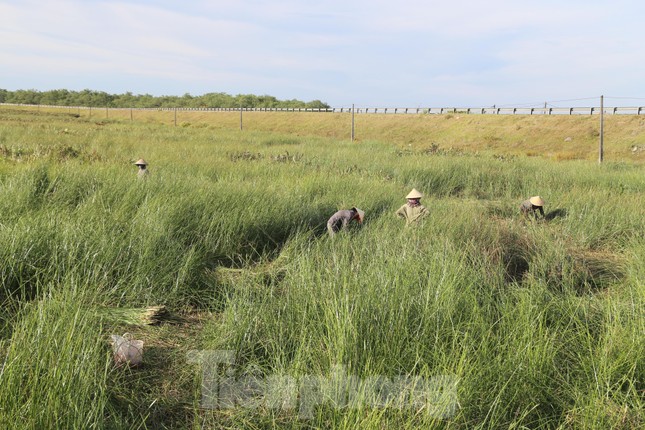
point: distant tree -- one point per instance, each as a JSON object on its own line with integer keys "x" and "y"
{"x": 246, "y": 100}
{"x": 125, "y": 100}
{"x": 267, "y": 102}
{"x": 317, "y": 104}
{"x": 146, "y": 101}
{"x": 90, "y": 98}
{"x": 186, "y": 101}
{"x": 84, "y": 98}
{"x": 26, "y": 97}
{"x": 56, "y": 97}
{"x": 216, "y": 100}
{"x": 293, "y": 103}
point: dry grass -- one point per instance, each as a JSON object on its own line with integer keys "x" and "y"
{"x": 558, "y": 137}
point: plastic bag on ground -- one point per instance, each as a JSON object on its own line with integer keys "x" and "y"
{"x": 126, "y": 350}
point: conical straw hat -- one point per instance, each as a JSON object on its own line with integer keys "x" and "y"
{"x": 536, "y": 201}
{"x": 361, "y": 215}
{"x": 414, "y": 194}
{"x": 141, "y": 161}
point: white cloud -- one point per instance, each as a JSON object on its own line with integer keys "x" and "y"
{"x": 399, "y": 52}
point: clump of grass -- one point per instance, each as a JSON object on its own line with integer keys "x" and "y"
{"x": 279, "y": 141}
{"x": 287, "y": 158}
{"x": 54, "y": 369}
{"x": 246, "y": 156}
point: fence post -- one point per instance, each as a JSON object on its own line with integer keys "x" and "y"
{"x": 175, "y": 117}
{"x": 601, "y": 144}
{"x": 352, "y": 122}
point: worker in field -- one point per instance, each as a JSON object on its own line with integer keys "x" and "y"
{"x": 533, "y": 206}
{"x": 341, "y": 219}
{"x": 143, "y": 171}
{"x": 413, "y": 210}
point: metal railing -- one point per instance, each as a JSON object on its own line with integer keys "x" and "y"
{"x": 592, "y": 110}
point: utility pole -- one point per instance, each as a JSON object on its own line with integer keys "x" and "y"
{"x": 352, "y": 122}
{"x": 602, "y": 131}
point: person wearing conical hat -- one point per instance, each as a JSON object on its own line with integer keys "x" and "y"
{"x": 341, "y": 219}
{"x": 532, "y": 206}
{"x": 143, "y": 171}
{"x": 413, "y": 210}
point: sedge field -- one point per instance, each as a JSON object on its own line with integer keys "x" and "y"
{"x": 505, "y": 322}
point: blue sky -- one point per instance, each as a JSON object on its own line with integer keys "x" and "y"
{"x": 405, "y": 53}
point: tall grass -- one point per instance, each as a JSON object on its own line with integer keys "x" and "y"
{"x": 540, "y": 323}
{"x": 55, "y": 368}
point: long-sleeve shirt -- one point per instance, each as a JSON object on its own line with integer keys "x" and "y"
{"x": 411, "y": 213}
{"x": 339, "y": 220}
{"x": 143, "y": 173}
{"x": 527, "y": 208}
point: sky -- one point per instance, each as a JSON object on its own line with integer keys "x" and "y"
{"x": 371, "y": 53}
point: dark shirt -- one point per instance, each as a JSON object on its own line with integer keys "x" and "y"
{"x": 527, "y": 208}
{"x": 339, "y": 220}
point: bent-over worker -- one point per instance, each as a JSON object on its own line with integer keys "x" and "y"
{"x": 532, "y": 206}
{"x": 342, "y": 218}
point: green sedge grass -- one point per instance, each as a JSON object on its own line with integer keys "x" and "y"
{"x": 540, "y": 322}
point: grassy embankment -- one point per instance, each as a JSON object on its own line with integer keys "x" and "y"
{"x": 557, "y": 137}
{"x": 541, "y": 323}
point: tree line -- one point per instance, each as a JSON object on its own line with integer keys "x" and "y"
{"x": 90, "y": 98}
